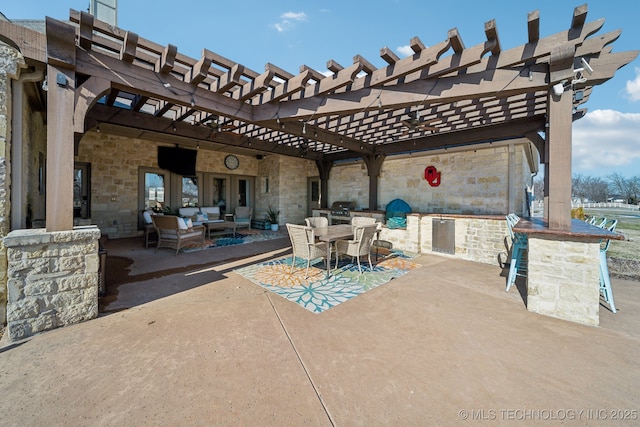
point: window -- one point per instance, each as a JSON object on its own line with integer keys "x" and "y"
{"x": 189, "y": 196}
{"x": 154, "y": 191}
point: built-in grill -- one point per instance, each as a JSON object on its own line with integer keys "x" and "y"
{"x": 341, "y": 212}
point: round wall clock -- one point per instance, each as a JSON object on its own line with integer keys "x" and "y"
{"x": 231, "y": 162}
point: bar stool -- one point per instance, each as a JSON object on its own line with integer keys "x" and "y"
{"x": 605, "y": 281}
{"x": 517, "y": 266}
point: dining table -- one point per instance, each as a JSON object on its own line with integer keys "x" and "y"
{"x": 329, "y": 235}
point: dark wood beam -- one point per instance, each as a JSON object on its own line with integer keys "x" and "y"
{"x": 148, "y": 125}
{"x": 420, "y": 92}
{"x": 478, "y": 135}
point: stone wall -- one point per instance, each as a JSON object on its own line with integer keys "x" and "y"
{"x": 563, "y": 277}
{"x": 473, "y": 181}
{"x": 292, "y": 181}
{"x": 52, "y": 279}
{"x": 478, "y": 239}
{"x": 349, "y": 182}
{"x": 11, "y": 62}
{"x": 115, "y": 163}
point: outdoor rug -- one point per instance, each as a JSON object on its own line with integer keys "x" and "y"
{"x": 318, "y": 293}
{"x": 246, "y": 236}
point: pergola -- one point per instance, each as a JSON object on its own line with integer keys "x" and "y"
{"x": 105, "y": 78}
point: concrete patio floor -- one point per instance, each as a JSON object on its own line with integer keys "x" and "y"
{"x": 441, "y": 345}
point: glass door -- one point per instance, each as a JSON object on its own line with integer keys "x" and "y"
{"x": 244, "y": 192}
{"x": 81, "y": 190}
{"x": 313, "y": 195}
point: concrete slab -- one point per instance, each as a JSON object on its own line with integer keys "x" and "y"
{"x": 440, "y": 345}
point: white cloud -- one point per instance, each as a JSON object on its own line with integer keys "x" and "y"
{"x": 288, "y": 20}
{"x": 633, "y": 87}
{"x": 405, "y": 50}
{"x": 606, "y": 142}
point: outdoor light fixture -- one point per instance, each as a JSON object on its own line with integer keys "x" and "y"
{"x": 558, "y": 89}
{"x": 579, "y": 77}
{"x": 586, "y": 66}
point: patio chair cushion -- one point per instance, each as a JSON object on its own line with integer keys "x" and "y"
{"x": 212, "y": 212}
{"x": 185, "y": 223}
{"x": 147, "y": 217}
{"x": 242, "y": 216}
{"x": 172, "y": 235}
{"x": 188, "y": 212}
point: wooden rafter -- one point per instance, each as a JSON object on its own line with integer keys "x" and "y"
{"x": 358, "y": 109}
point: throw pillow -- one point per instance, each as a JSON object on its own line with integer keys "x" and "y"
{"x": 182, "y": 224}
{"x": 202, "y": 217}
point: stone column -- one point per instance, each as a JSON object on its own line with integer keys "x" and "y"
{"x": 563, "y": 278}
{"x": 52, "y": 279}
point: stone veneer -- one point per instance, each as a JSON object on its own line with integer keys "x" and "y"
{"x": 11, "y": 62}
{"x": 477, "y": 238}
{"x": 563, "y": 278}
{"x": 52, "y": 279}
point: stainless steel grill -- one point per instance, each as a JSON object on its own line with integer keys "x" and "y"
{"x": 341, "y": 212}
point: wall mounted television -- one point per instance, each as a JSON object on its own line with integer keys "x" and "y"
{"x": 181, "y": 161}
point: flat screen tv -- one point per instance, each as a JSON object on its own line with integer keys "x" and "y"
{"x": 181, "y": 161}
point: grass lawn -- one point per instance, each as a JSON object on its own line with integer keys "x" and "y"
{"x": 623, "y": 255}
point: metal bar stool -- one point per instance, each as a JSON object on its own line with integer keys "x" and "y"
{"x": 605, "y": 281}
{"x": 518, "y": 265}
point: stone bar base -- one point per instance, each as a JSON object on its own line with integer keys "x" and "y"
{"x": 563, "y": 269}
{"x": 52, "y": 279}
{"x": 563, "y": 279}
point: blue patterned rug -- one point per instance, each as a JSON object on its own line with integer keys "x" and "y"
{"x": 318, "y": 293}
{"x": 247, "y": 236}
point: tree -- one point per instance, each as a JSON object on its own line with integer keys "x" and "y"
{"x": 578, "y": 189}
{"x": 597, "y": 189}
{"x": 634, "y": 189}
{"x": 538, "y": 188}
{"x": 619, "y": 185}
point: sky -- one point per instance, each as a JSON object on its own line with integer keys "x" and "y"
{"x": 291, "y": 33}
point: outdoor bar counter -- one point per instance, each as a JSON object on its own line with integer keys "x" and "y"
{"x": 563, "y": 269}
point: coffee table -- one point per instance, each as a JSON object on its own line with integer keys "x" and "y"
{"x": 219, "y": 225}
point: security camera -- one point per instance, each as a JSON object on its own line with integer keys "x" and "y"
{"x": 558, "y": 89}
{"x": 586, "y": 66}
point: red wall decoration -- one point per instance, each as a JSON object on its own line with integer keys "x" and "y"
{"x": 432, "y": 176}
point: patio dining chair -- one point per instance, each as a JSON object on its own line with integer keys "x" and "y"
{"x": 519, "y": 243}
{"x": 303, "y": 246}
{"x": 605, "y": 280}
{"x": 317, "y": 221}
{"x": 359, "y": 246}
{"x": 359, "y": 221}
